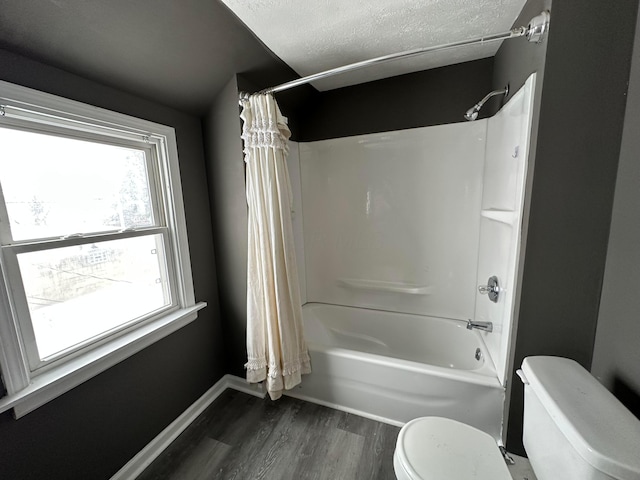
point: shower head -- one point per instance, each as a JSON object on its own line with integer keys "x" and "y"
{"x": 472, "y": 113}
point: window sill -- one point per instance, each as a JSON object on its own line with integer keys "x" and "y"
{"x": 59, "y": 380}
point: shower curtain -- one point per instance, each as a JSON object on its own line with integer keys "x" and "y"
{"x": 276, "y": 348}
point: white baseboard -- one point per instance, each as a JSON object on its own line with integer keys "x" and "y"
{"x": 148, "y": 454}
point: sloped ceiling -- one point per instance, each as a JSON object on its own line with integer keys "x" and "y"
{"x": 312, "y": 36}
{"x": 178, "y": 53}
{"x": 182, "y": 52}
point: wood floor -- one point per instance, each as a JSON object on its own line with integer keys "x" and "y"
{"x": 245, "y": 438}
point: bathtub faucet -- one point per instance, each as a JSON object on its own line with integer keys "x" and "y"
{"x": 484, "y": 326}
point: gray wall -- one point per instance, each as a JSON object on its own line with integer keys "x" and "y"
{"x": 616, "y": 356}
{"x": 581, "y": 117}
{"x": 420, "y": 99}
{"x": 94, "y": 429}
{"x": 225, "y": 175}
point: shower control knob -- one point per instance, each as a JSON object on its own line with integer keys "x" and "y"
{"x": 492, "y": 289}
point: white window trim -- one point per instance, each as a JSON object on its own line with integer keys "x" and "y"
{"x": 25, "y": 391}
{"x": 56, "y": 381}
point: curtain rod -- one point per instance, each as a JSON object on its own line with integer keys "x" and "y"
{"x": 534, "y": 32}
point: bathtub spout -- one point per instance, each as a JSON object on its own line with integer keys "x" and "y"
{"x": 484, "y": 326}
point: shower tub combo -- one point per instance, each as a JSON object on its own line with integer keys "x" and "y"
{"x": 398, "y": 231}
{"x": 394, "y": 367}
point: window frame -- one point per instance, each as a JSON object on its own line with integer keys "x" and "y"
{"x": 22, "y": 315}
{"x": 31, "y": 383}
{"x": 148, "y": 143}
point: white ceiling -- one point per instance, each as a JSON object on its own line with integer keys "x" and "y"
{"x": 316, "y": 35}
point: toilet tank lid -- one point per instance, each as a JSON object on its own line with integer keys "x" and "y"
{"x": 599, "y": 427}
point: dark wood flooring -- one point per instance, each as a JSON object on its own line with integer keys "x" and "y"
{"x": 242, "y": 437}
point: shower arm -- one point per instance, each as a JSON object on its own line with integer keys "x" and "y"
{"x": 472, "y": 113}
{"x": 534, "y": 32}
{"x": 504, "y": 91}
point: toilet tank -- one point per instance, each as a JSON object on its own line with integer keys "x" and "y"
{"x": 573, "y": 427}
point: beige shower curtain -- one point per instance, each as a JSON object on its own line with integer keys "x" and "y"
{"x": 276, "y": 348}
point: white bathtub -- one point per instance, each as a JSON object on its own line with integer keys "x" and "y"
{"x": 395, "y": 367}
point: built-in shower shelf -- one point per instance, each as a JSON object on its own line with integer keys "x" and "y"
{"x": 502, "y": 216}
{"x": 383, "y": 286}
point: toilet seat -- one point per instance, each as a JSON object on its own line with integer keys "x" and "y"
{"x": 435, "y": 448}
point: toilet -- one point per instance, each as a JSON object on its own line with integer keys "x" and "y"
{"x": 573, "y": 429}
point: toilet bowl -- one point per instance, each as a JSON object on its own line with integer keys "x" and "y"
{"x": 574, "y": 429}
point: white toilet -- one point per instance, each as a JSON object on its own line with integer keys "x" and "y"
{"x": 573, "y": 429}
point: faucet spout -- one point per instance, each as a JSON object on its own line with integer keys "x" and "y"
{"x": 484, "y": 326}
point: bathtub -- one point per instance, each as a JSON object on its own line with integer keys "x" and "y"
{"x": 394, "y": 367}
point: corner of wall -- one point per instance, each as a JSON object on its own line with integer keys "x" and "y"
{"x": 225, "y": 176}
{"x": 617, "y": 346}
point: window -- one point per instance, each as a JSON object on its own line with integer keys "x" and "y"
{"x": 94, "y": 253}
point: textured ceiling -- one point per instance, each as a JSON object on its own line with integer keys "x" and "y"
{"x": 312, "y": 36}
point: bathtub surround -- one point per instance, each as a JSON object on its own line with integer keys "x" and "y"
{"x": 412, "y": 221}
{"x": 501, "y": 221}
{"x": 276, "y": 347}
{"x": 391, "y": 221}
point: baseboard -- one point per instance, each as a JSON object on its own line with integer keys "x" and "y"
{"x": 240, "y": 384}
{"x": 148, "y": 454}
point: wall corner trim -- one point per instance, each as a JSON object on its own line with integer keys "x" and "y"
{"x": 134, "y": 467}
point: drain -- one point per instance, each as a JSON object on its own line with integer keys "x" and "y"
{"x": 478, "y": 354}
